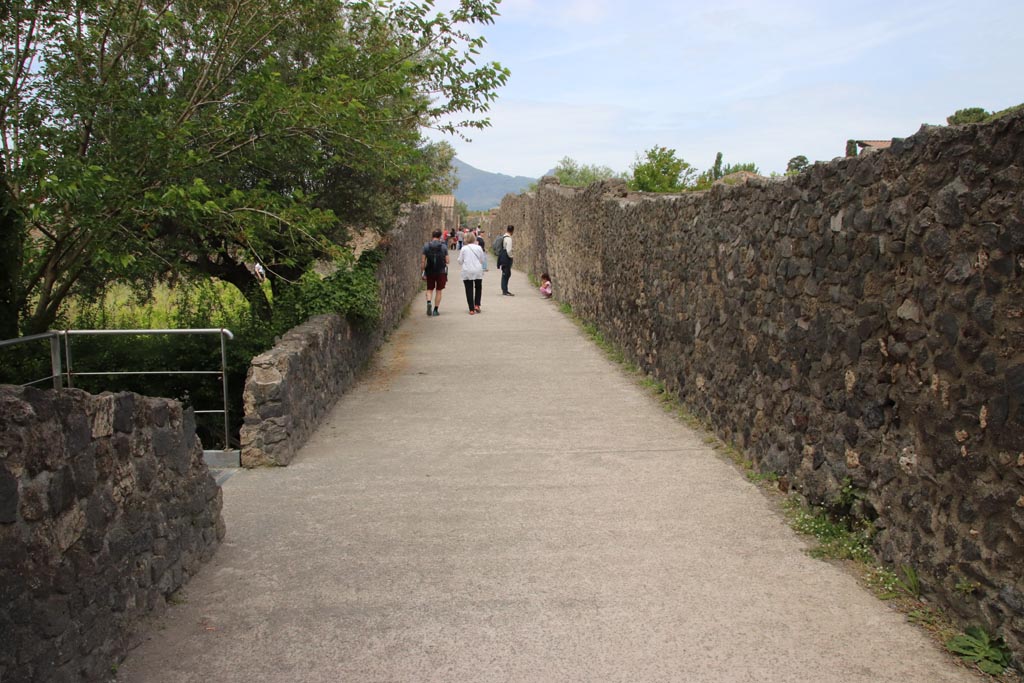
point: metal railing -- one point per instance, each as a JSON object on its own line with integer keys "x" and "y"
{"x": 62, "y": 371}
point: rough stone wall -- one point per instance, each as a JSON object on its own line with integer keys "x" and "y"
{"x": 861, "y": 322}
{"x": 106, "y": 508}
{"x": 399, "y": 272}
{"x": 291, "y": 387}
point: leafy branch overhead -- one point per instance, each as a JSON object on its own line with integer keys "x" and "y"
{"x": 157, "y": 136}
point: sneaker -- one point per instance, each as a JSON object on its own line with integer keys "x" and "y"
{"x": 472, "y": 312}
{"x": 507, "y": 294}
{"x": 429, "y": 307}
{"x": 437, "y": 311}
{"x": 477, "y": 309}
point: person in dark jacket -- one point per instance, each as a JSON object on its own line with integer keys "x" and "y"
{"x": 505, "y": 260}
{"x": 434, "y": 264}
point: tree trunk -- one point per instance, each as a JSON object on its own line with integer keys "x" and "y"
{"x": 238, "y": 275}
{"x": 12, "y": 239}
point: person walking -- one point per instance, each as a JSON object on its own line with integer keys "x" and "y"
{"x": 434, "y": 265}
{"x": 471, "y": 258}
{"x": 505, "y": 260}
{"x": 483, "y": 246}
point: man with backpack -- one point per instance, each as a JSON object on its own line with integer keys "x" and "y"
{"x": 505, "y": 259}
{"x": 435, "y": 271}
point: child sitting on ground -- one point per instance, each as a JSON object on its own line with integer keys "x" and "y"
{"x": 545, "y": 285}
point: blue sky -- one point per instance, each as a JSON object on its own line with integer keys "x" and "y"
{"x": 601, "y": 81}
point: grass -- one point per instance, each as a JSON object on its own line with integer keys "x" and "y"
{"x": 122, "y": 306}
{"x": 966, "y": 587}
{"x": 838, "y": 537}
{"x": 763, "y": 477}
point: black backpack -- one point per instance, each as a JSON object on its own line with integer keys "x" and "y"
{"x": 435, "y": 259}
{"x": 498, "y": 245}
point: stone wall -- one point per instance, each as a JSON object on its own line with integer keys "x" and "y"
{"x": 862, "y": 322}
{"x": 291, "y": 387}
{"x": 106, "y": 508}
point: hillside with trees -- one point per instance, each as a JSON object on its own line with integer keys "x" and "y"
{"x": 482, "y": 190}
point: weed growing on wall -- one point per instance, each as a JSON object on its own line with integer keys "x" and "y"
{"x": 838, "y": 539}
{"x": 976, "y": 646}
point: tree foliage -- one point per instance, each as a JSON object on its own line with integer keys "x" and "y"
{"x": 969, "y": 115}
{"x": 797, "y": 164}
{"x": 660, "y": 170}
{"x": 718, "y": 171}
{"x": 574, "y": 174}
{"x": 445, "y": 179}
{"x": 748, "y": 167}
{"x": 155, "y": 137}
{"x": 462, "y": 209}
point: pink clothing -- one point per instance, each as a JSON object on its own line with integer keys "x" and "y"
{"x": 545, "y": 288}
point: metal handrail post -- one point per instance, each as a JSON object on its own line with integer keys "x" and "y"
{"x": 67, "y": 359}
{"x": 55, "y": 360}
{"x": 68, "y": 370}
{"x": 224, "y": 381}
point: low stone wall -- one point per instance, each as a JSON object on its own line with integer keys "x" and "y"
{"x": 106, "y": 508}
{"x": 291, "y": 387}
{"x": 859, "y": 324}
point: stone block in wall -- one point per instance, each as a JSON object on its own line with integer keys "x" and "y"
{"x": 106, "y": 508}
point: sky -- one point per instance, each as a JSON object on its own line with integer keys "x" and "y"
{"x": 760, "y": 81}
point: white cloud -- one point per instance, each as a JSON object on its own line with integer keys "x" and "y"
{"x": 528, "y": 138}
{"x": 757, "y": 81}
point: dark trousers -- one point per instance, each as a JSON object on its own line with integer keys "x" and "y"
{"x": 506, "y": 273}
{"x": 473, "y": 299}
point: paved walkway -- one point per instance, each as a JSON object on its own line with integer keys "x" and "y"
{"x": 545, "y": 521}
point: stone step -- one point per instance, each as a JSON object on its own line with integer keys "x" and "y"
{"x": 226, "y": 458}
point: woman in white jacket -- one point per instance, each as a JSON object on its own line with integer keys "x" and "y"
{"x": 472, "y": 259}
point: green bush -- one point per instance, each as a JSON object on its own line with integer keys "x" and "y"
{"x": 350, "y": 290}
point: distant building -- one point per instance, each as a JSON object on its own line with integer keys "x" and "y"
{"x": 450, "y": 219}
{"x": 855, "y": 147}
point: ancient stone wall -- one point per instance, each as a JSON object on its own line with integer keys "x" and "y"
{"x": 291, "y": 387}
{"x": 106, "y": 508}
{"x": 860, "y": 325}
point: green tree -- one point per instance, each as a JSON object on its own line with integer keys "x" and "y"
{"x": 445, "y": 179}
{"x": 969, "y": 115}
{"x": 716, "y": 169}
{"x": 462, "y": 209}
{"x": 574, "y": 174}
{"x": 150, "y": 137}
{"x": 797, "y": 164}
{"x": 748, "y": 167}
{"x": 660, "y": 170}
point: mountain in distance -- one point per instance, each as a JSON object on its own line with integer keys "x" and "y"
{"x": 481, "y": 190}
